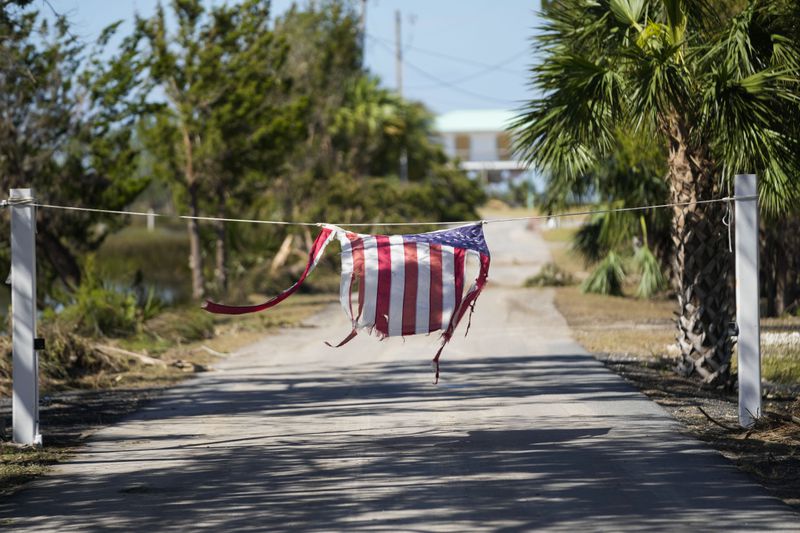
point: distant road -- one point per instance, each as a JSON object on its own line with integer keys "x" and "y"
{"x": 525, "y": 432}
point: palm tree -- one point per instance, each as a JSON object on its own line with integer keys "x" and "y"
{"x": 369, "y": 116}
{"x": 721, "y": 93}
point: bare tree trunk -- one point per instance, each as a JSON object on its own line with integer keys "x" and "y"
{"x": 781, "y": 282}
{"x": 768, "y": 243}
{"x": 791, "y": 290}
{"x": 221, "y": 266}
{"x": 701, "y": 263}
{"x": 786, "y": 265}
{"x": 195, "y": 250}
{"x": 283, "y": 254}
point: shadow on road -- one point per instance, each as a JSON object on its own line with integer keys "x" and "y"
{"x": 301, "y": 471}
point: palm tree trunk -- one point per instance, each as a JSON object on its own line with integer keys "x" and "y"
{"x": 701, "y": 263}
{"x": 770, "y": 253}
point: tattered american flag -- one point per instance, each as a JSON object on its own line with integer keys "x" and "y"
{"x": 406, "y": 284}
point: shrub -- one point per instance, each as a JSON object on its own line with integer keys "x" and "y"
{"x": 653, "y": 279}
{"x": 607, "y": 278}
{"x": 551, "y": 275}
{"x": 182, "y": 326}
{"x": 98, "y": 308}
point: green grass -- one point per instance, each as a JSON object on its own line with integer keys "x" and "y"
{"x": 783, "y": 368}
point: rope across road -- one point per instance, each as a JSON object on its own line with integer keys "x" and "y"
{"x": 19, "y": 201}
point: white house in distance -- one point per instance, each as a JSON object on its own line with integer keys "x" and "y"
{"x": 478, "y": 139}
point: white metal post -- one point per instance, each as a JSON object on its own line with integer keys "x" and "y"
{"x": 747, "y": 299}
{"x": 25, "y": 407}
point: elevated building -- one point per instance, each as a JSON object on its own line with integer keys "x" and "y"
{"x": 479, "y": 141}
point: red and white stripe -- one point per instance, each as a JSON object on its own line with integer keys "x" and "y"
{"x": 404, "y": 288}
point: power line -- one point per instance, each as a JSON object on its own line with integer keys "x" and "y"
{"x": 445, "y": 83}
{"x": 454, "y": 87}
{"x": 479, "y": 73}
{"x": 458, "y": 59}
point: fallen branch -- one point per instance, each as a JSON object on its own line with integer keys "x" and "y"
{"x": 720, "y": 424}
{"x": 213, "y": 351}
{"x": 144, "y": 359}
{"x": 282, "y": 255}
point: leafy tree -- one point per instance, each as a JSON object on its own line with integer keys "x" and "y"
{"x": 62, "y": 132}
{"x": 324, "y": 62}
{"x": 719, "y": 91}
{"x": 356, "y": 131}
{"x": 225, "y": 124}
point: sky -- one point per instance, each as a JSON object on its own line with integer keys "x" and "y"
{"x": 458, "y": 54}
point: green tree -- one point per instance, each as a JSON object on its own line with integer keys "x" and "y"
{"x": 356, "y": 131}
{"x": 226, "y": 124}
{"x": 62, "y": 132}
{"x": 324, "y": 62}
{"x": 719, "y": 91}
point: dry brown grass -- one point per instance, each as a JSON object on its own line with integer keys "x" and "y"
{"x": 18, "y": 465}
{"x": 609, "y": 324}
{"x": 170, "y": 347}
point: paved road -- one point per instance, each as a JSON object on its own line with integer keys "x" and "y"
{"x": 525, "y": 432}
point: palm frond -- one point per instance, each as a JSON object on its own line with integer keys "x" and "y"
{"x": 731, "y": 78}
{"x": 652, "y": 277}
{"x": 627, "y": 11}
{"x": 607, "y": 278}
{"x": 572, "y": 125}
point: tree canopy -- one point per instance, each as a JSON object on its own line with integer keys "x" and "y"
{"x": 249, "y": 117}
{"x": 670, "y": 68}
{"x": 66, "y": 131}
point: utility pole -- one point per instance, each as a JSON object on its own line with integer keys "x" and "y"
{"x": 399, "y": 76}
{"x": 362, "y": 28}
{"x": 398, "y": 55}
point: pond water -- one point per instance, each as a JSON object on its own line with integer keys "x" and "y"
{"x": 157, "y": 259}
{"x": 138, "y": 257}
